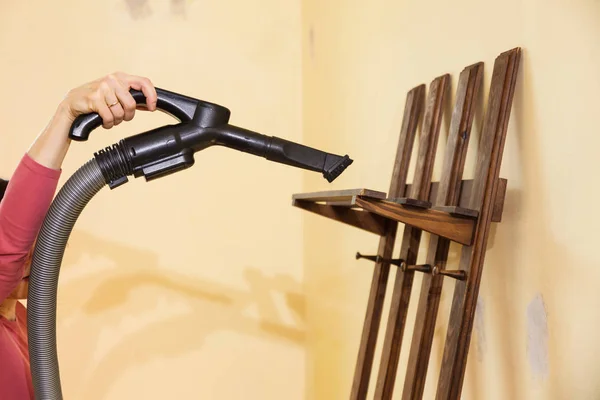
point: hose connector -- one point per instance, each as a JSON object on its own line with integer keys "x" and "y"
{"x": 114, "y": 164}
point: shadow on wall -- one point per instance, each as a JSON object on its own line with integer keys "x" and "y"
{"x": 501, "y": 294}
{"x": 148, "y": 314}
{"x": 505, "y": 272}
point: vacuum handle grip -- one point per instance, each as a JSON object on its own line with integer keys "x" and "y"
{"x": 178, "y": 106}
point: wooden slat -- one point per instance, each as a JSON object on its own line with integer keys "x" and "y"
{"x": 429, "y": 138}
{"x": 351, "y": 202}
{"x": 499, "y": 201}
{"x": 485, "y": 187}
{"x": 410, "y": 202}
{"x": 411, "y": 238}
{"x": 360, "y": 219}
{"x": 468, "y": 90}
{"x": 464, "y": 201}
{"x": 338, "y": 195}
{"x": 458, "y": 211}
{"x": 457, "y": 229}
{"x": 412, "y": 112}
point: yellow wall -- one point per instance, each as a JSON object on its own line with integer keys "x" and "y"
{"x": 189, "y": 286}
{"x": 195, "y": 291}
{"x": 359, "y": 61}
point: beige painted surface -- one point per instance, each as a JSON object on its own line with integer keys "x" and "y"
{"x": 190, "y": 292}
{"x": 188, "y": 287}
{"x": 359, "y": 61}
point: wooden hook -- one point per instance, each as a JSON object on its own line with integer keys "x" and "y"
{"x": 456, "y": 274}
{"x": 421, "y": 268}
{"x": 378, "y": 259}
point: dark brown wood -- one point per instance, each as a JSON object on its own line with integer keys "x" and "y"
{"x": 455, "y": 274}
{"x": 420, "y": 268}
{"x": 499, "y": 201}
{"x": 410, "y": 202}
{"x": 378, "y": 258}
{"x": 464, "y": 201}
{"x": 360, "y": 219}
{"x": 468, "y": 89}
{"x": 457, "y": 229}
{"x": 485, "y": 188}
{"x": 366, "y": 352}
{"x": 458, "y": 211}
{"x": 429, "y": 138}
{"x": 411, "y": 238}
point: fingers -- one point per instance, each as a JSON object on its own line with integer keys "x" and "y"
{"x": 126, "y": 101}
{"x": 121, "y": 103}
{"x": 145, "y": 86}
{"x": 110, "y": 97}
{"x": 112, "y": 102}
{"x": 99, "y": 105}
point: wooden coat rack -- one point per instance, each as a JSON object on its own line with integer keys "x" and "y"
{"x": 451, "y": 210}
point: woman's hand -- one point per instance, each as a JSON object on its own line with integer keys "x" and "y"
{"x": 108, "y": 96}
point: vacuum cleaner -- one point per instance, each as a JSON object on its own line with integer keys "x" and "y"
{"x": 153, "y": 154}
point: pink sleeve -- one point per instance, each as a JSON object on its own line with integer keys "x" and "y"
{"x": 27, "y": 199}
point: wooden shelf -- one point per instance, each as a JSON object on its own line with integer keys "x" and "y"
{"x": 340, "y": 206}
{"x": 370, "y": 210}
{"x": 441, "y": 223}
{"x": 339, "y": 197}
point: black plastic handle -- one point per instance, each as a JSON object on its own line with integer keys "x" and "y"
{"x": 178, "y": 106}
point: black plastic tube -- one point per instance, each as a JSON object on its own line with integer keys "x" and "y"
{"x": 151, "y": 154}
{"x": 173, "y": 146}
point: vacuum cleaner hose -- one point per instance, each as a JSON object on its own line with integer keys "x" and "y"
{"x": 43, "y": 281}
{"x": 151, "y": 154}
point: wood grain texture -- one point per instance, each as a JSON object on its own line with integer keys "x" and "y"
{"x": 464, "y": 201}
{"x": 485, "y": 188}
{"x": 411, "y": 238}
{"x": 499, "y": 201}
{"x": 457, "y": 229}
{"x": 429, "y": 138}
{"x": 468, "y": 90}
{"x": 366, "y": 352}
{"x": 410, "y": 202}
{"x": 359, "y": 219}
{"x": 458, "y": 211}
{"x": 412, "y": 116}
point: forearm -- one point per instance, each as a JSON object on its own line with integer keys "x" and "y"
{"x": 50, "y": 147}
{"x": 22, "y": 210}
{"x": 32, "y": 187}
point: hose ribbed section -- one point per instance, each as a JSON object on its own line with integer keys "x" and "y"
{"x": 43, "y": 281}
{"x": 114, "y": 163}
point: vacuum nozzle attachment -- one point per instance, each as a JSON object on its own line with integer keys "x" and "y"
{"x": 170, "y": 148}
{"x": 337, "y": 166}
{"x": 281, "y": 151}
{"x": 290, "y": 153}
